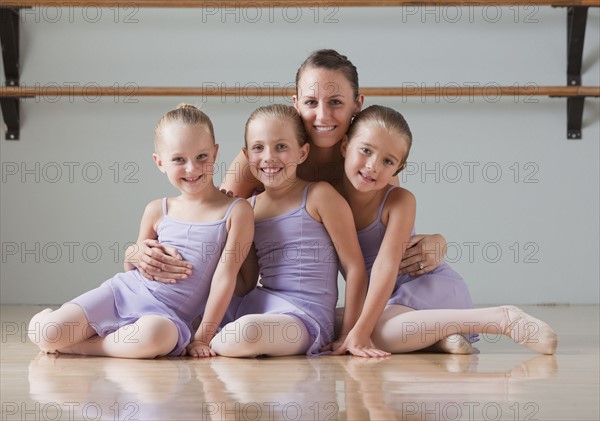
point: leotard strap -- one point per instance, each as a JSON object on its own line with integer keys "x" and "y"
{"x": 164, "y": 206}
{"x": 390, "y": 188}
{"x": 230, "y": 208}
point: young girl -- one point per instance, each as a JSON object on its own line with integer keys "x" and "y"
{"x": 327, "y": 97}
{"x": 129, "y": 316}
{"x": 301, "y": 229}
{"x": 376, "y": 149}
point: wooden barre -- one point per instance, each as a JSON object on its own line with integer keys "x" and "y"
{"x": 253, "y": 91}
{"x": 238, "y": 4}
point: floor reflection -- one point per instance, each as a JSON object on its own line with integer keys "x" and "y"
{"x": 449, "y": 387}
{"x": 405, "y": 387}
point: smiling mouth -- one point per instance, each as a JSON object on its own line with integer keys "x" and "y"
{"x": 324, "y": 128}
{"x": 270, "y": 171}
{"x": 366, "y": 177}
{"x": 191, "y": 179}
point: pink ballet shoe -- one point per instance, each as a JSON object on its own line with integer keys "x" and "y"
{"x": 454, "y": 344}
{"x": 529, "y": 331}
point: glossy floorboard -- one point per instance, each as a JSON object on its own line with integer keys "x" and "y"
{"x": 503, "y": 382}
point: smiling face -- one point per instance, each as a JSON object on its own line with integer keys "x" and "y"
{"x": 186, "y": 154}
{"x": 373, "y": 156}
{"x": 273, "y": 150}
{"x": 326, "y": 102}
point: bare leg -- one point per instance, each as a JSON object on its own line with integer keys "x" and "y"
{"x": 413, "y": 330}
{"x": 149, "y": 337}
{"x": 262, "y": 334}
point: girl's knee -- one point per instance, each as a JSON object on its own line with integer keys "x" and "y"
{"x": 156, "y": 336}
{"x": 241, "y": 338}
{"x": 262, "y": 334}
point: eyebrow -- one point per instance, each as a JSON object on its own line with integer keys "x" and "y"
{"x": 372, "y": 146}
{"x": 281, "y": 139}
{"x": 328, "y": 97}
{"x": 179, "y": 153}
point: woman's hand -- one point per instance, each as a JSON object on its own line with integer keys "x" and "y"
{"x": 228, "y": 192}
{"x": 424, "y": 254}
{"x": 199, "y": 349}
{"x": 157, "y": 262}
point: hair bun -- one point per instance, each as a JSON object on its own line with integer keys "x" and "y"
{"x": 184, "y": 105}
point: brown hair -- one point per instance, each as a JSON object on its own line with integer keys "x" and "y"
{"x": 279, "y": 111}
{"x": 386, "y": 118}
{"x": 186, "y": 114}
{"x": 332, "y": 60}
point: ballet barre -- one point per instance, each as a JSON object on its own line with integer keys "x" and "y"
{"x": 577, "y": 11}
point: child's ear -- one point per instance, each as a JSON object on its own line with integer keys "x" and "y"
{"x": 400, "y": 168}
{"x": 216, "y": 151}
{"x": 344, "y": 146}
{"x": 304, "y": 149}
{"x": 245, "y": 152}
{"x": 158, "y": 162}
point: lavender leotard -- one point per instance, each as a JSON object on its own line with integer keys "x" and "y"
{"x": 126, "y": 297}
{"x": 298, "y": 269}
{"x": 440, "y": 288}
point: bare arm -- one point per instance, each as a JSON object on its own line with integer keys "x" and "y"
{"x": 238, "y": 180}
{"x": 151, "y": 216}
{"x": 336, "y": 216}
{"x": 424, "y": 253}
{"x": 248, "y": 275}
{"x": 154, "y": 260}
{"x": 402, "y": 209}
{"x": 239, "y": 238}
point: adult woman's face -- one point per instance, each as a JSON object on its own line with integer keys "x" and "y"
{"x": 326, "y": 104}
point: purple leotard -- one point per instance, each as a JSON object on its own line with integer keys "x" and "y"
{"x": 126, "y": 297}
{"x": 438, "y": 289}
{"x": 298, "y": 274}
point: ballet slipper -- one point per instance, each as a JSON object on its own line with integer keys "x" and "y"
{"x": 454, "y": 344}
{"x": 529, "y": 331}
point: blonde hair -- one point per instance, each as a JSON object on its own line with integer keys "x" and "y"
{"x": 386, "y": 118}
{"x": 279, "y": 111}
{"x": 185, "y": 114}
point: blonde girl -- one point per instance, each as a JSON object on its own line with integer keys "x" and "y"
{"x": 303, "y": 231}
{"x": 129, "y": 316}
{"x": 375, "y": 150}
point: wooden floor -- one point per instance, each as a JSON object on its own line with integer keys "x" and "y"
{"x": 503, "y": 382}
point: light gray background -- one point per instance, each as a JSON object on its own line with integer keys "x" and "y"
{"x": 526, "y": 234}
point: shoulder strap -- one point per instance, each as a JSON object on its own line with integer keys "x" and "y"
{"x": 164, "y": 206}
{"x": 231, "y": 207}
{"x": 305, "y": 195}
{"x": 390, "y": 188}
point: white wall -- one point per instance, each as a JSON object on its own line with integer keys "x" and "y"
{"x": 63, "y": 233}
